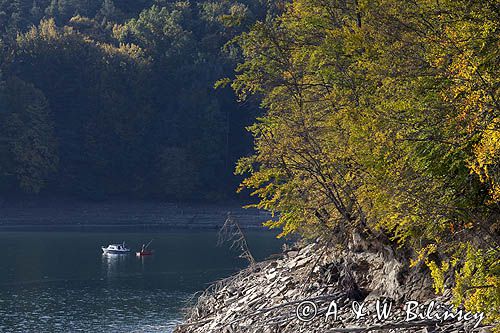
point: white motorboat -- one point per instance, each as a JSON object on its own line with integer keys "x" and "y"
{"x": 116, "y": 249}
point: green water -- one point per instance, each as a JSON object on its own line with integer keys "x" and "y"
{"x": 60, "y": 281}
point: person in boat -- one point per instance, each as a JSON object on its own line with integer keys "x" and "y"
{"x": 143, "y": 248}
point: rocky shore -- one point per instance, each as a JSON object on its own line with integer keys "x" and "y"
{"x": 318, "y": 288}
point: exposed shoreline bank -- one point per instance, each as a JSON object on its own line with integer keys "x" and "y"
{"x": 267, "y": 297}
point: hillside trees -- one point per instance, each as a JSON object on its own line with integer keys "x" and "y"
{"x": 125, "y": 93}
{"x": 27, "y": 144}
{"x": 189, "y": 116}
{"x": 99, "y": 113}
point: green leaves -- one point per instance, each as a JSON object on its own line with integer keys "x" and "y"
{"x": 379, "y": 116}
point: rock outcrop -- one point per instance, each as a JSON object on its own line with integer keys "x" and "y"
{"x": 322, "y": 289}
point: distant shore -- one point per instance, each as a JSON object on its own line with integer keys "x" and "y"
{"x": 59, "y": 215}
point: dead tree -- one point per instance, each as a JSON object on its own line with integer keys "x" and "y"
{"x": 231, "y": 232}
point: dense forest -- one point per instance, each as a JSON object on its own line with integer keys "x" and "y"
{"x": 382, "y": 122}
{"x": 103, "y": 98}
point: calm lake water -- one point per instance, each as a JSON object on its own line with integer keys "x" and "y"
{"x": 60, "y": 281}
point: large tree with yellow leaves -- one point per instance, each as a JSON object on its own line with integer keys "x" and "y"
{"x": 382, "y": 119}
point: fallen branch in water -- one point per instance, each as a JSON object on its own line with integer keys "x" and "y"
{"x": 231, "y": 232}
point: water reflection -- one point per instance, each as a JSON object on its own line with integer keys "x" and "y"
{"x": 61, "y": 282}
{"x": 143, "y": 260}
{"x": 114, "y": 264}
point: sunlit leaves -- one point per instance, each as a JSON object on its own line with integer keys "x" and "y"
{"x": 381, "y": 115}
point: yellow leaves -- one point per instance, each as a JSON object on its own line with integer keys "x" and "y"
{"x": 47, "y": 29}
{"x": 478, "y": 282}
{"x": 438, "y": 274}
{"x": 131, "y": 49}
{"x": 222, "y": 83}
{"x": 423, "y": 254}
{"x": 48, "y": 35}
{"x": 486, "y": 162}
{"x": 392, "y": 116}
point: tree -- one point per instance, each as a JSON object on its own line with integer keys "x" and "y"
{"x": 100, "y": 113}
{"x": 36, "y": 12}
{"x": 108, "y": 12}
{"x": 121, "y": 93}
{"x": 382, "y": 120}
{"x": 29, "y": 146}
{"x": 178, "y": 176}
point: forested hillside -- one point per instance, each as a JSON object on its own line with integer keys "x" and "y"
{"x": 382, "y": 122}
{"x": 116, "y": 98}
{"x": 380, "y": 118}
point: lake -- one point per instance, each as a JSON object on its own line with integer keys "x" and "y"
{"x": 60, "y": 281}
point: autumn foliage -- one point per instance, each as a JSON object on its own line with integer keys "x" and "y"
{"x": 382, "y": 119}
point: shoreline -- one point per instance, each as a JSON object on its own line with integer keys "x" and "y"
{"x": 44, "y": 215}
{"x": 317, "y": 289}
{"x": 120, "y": 227}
